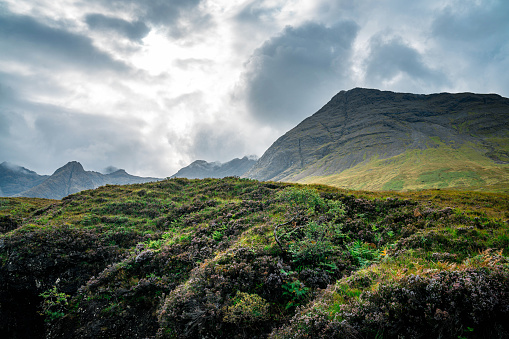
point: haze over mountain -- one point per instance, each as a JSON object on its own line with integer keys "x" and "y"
{"x": 371, "y": 139}
{"x": 201, "y": 169}
{"x": 16, "y": 179}
{"x": 70, "y": 178}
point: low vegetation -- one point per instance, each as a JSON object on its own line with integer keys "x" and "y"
{"x": 238, "y": 258}
{"x": 440, "y": 166}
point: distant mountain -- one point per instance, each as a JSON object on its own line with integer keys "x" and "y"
{"x": 72, "y": 178}
{"x": 15, "y": 179}
{"x": 380, "y": 140}
{"x": 201, "y": 169}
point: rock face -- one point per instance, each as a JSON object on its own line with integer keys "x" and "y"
{"x": 16, "y": 179}
{"x": 72, "y": 178}
{"x": 362, "y": 125}
{"x": 201, "y": 169}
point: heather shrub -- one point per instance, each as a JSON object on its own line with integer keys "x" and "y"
{"x": 204, "y": 303}
{"x": 246, "y": 310}
{"x": 468, "y": 303}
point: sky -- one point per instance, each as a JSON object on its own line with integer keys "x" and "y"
{"x": 152, "y": 85}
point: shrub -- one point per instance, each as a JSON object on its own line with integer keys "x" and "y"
{"x": 301, "y": 198}
{"x": 471, "y": 303}
{"x": 246, "y": 309}
{"x": 54, "y": 304}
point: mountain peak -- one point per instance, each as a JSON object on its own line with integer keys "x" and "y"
{"x": 371, "y": 139}
{"x": 72, "y": 178}
{"x": 72, "y": 166}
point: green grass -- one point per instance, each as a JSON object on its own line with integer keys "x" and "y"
{"x": 441, "y": 166}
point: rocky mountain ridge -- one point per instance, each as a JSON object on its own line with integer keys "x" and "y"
{"x": 68, "y": 179}
{"x": 201, "y": 169}
{"x": 387, "y": 136}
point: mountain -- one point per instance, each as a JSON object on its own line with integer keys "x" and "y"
{"x": 15, "y": 179}
{"x": 381, "y": 140}
{"x": 201, "y": 169}
{"x": 72, "y": 178}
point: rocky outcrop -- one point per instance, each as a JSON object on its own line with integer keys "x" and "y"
{"x": 363, "y": 124}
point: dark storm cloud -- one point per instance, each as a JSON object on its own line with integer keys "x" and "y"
{"x": 388, "y": 59}
{"x": 22, "y": 38}
{"x": 134, "y": 31}
{"x": 293, "y": 74}
{"x": 178, "y": 17}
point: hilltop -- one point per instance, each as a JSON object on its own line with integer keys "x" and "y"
{"x": 380, "y": 140}
{"x": 238, "y": 258}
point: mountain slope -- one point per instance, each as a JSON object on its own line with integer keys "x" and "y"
{"x": 15, "y": 179}
{"x": 201, "y": 169}
{"x": 371, "y": 139}
{"x": 72, "y": 178}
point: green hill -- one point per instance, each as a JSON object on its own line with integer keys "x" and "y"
{"x": 379, "y": 140}
{"x": 238, "y": 258}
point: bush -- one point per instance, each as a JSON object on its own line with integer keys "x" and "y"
{"x": 470, "y": 303}
{"x": 246, "y": 309}
{"x": 54, "y": 305}
{"x": 301, "y": 198}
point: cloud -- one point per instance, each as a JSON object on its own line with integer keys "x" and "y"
{"x": 192, "y": 63}
{"x": 291, "y": 75}
{"x": 52, "y": 136}
{"x": 110, "y": 169}
{"x": 22, "y": 38}
{"x": 180, "y": 18}
{"x": 256, "y": 12}
{"x": 390, "y": 59}
{"x": 484, "y": 23}
{"x": 473, "y": 42}
{"x": 135, "y": 31}
{"x": 217, "y": 141}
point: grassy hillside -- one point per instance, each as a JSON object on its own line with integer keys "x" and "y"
{"x": 238, "y": 258}
{"x": 439, "y": 166}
